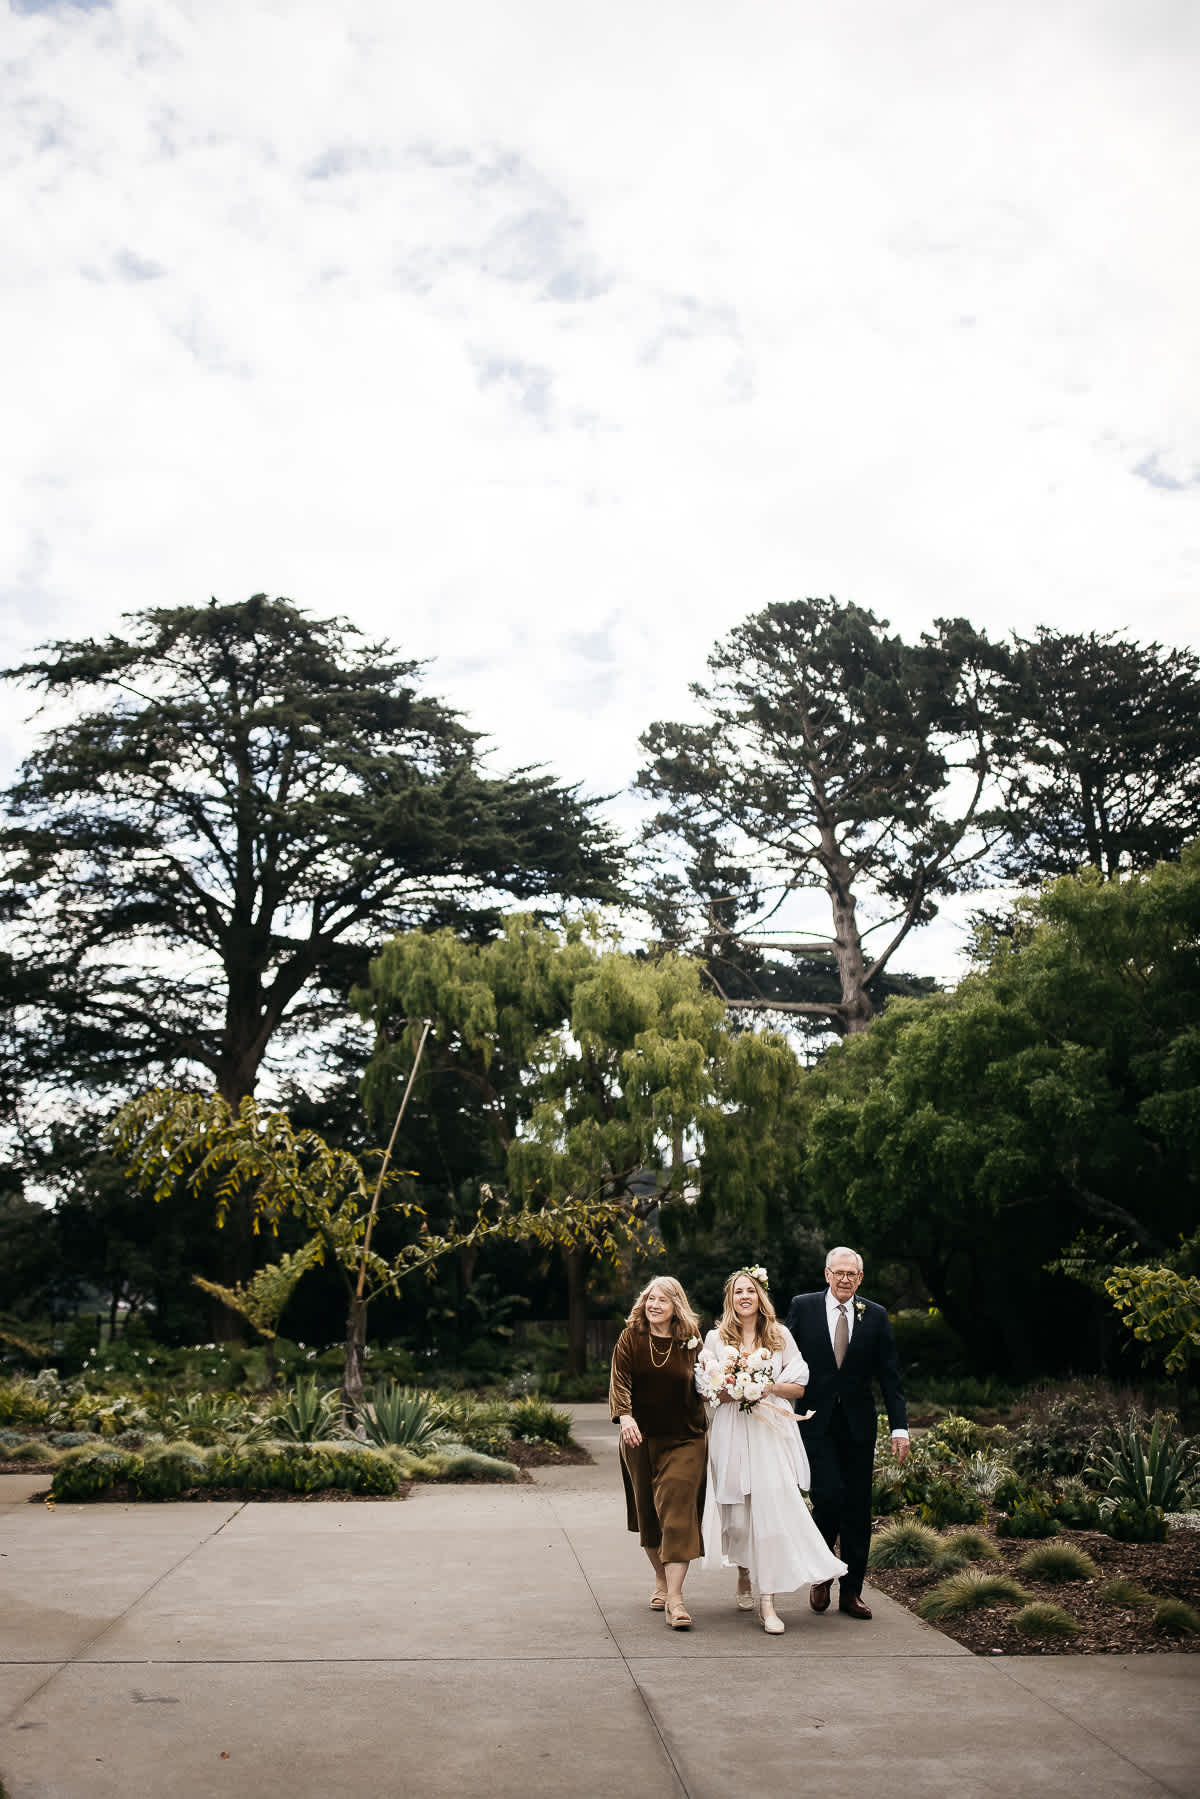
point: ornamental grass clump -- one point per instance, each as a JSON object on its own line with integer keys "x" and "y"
{"x": 962, "y": 1547}
{"x": 967, "y": 1592}
{"x": 87, "y": 1473}
{"x": 1176, "y": 1619}
{"x": 1128, "y": 1594}
{"x": 904, "y": 1544}
{"x": 451, "y": 1461}
{"x": 1044, "y": 1619}
{"x": 1057, "y": 1561}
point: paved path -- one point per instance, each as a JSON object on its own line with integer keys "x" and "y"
{"x": 496, "y": 1641}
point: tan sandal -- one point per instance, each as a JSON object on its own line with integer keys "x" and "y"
{"x": 677, "y": 1615}
{"x": 658, "y": 1601}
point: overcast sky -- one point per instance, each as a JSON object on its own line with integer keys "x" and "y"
{"x": 551, "y": 340}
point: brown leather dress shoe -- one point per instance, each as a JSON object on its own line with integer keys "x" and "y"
{"x": 851, "y": 1606}
{"x": 818, "y": 1595}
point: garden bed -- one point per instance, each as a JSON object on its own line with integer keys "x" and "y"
{"x": 1169, "y": 1570}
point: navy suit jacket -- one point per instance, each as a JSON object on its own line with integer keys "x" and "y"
{"x": 871, "y": 1359}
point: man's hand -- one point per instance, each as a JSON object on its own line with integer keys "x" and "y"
{"x": 899, "y": 1448}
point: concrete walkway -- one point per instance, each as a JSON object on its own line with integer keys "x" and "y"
{"x": 496, "y": 1641}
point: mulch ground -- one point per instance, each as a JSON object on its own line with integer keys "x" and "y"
{"x": 1169, "y": 1570}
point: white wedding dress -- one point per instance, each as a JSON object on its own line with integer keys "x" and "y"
{"x": 755, "y": 1515}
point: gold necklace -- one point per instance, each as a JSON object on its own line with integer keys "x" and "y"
{"x": 654, "y": 1361}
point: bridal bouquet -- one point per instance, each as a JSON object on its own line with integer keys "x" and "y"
{"x": 744, "y": 1374}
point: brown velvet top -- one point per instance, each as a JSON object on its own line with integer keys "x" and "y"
{"x": 664, "y": 1401}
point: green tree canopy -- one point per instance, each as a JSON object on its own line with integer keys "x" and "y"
{"x": 834, "y": 760}
{"x": 1102, "y": 749}
{"x": 1056, "y": 1091}
{"x": 234, "y": 804}
{"x": 608, "y": 1080}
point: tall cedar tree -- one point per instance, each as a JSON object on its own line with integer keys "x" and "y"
{"x": 1103, "y": 741}
{"x": 243, "y": 803}
{"x": 824, "y": 763}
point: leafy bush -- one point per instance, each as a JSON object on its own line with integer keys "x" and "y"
{"x": 1126, "y": 1593}
{"x": 952, "y": 1437}
{"x": 1062, "y": 1424}
{"x": 206, "y": 1418}
{"x": 1031, "y": 1517}
{"x": 169, "y": 1470}
{"x": 947, "y": 1503}
{"x": 404, "y": 1416}
{"x": 21, "y": 1403}
{"x": 535, "y": 1420}
{"x": 985, "y": 1473}
{"x": 967, "y": 1592}
{"x": 1058, "y": 1561}
{"x": 1042, "y": 1619}
{"x": 893, "y": 1487}
{"x": 1075, "y": 1507}
{"x": 304, "y": 1468}
{"x": 306, "y": 1414}
{"x": 1155, "y": 1472}
{"x": 1176, "y": 1618}
{"x": 71, "y": 1439}
{"x": 1136, "y": 1524}
{"x": 86, "y": 1473}
{"x": 484, "y": 1426}
{"x": 904, "y": 1544}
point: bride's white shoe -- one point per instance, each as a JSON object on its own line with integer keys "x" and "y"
{"x": 768, "y": 1617}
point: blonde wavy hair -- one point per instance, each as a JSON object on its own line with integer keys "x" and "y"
{"x": 767, "y": 1333}
{"x": 684, "y": 1324}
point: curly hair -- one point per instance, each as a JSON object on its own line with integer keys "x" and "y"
{"x": 684, "y": 1324}
{"x": 766, "y": 1331}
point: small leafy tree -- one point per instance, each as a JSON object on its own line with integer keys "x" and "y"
{"x": 1162, "y": 1309}
{"x": 254, "y": 1156}
{"x": 609, "y": 1081}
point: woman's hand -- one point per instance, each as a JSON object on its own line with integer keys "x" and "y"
{"x": 631, "y": 1436}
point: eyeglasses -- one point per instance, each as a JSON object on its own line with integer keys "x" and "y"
{"x": 844, "y": 1274}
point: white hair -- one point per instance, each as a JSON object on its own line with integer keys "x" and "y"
{"x": 843, "y": 1250}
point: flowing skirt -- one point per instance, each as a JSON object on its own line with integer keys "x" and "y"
{"x": 755, "y": 1514}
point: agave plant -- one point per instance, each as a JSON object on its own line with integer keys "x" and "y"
{"x": 1157, "y": 1475}
{"x": 307, "y": 1415}
{"x": 403, "y": 1416}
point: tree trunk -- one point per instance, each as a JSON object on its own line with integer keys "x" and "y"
{"x": 352, "y": 1377}
{"x": 578, "y": 1260}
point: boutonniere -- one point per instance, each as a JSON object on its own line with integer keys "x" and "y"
{"x": 692, "y": 1343}
{"x": 860, "y": 1308}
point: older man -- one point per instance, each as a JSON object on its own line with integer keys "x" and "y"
{"x": 848, "y": 1345}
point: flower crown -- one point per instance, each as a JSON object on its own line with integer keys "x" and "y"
{"x": 756, "y": 1273}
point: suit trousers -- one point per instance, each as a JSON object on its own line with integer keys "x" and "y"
{"x": 842, "y": 1471}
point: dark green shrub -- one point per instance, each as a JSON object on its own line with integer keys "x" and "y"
{"x": 535, "y": 1419}
{"x": 86, "y": 1473}
{"x": 1030, "y": 1518}
{"x": 1009, "y": 1493}
{"x": 169, "y": 1470}
{"x": 928, "y": 1346}
{"x": 947, "y": 1503}
{"x": 1062, "y": 1424}
{"x": 304, "y": 1468}
{"x": 1135, "y": 1523}
{"x": 1077, "y": 1508}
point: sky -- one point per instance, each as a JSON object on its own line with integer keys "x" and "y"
{"x": 551, "y": 341}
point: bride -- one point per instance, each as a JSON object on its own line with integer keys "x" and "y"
{"x": 749, "y": 1371}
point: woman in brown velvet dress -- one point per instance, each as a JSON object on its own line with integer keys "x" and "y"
{"x": 652, "y": 1395}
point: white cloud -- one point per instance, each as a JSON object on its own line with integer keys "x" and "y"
{"x": 502, "y": 328}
